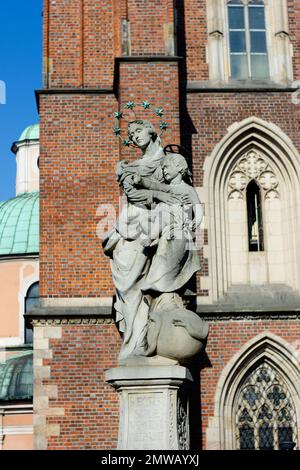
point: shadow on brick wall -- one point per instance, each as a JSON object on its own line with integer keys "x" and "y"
{"x": 196, "y": 438}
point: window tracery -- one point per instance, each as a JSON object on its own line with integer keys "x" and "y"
{"x": 265, "y": 415}
{"x": 253, "y": 166}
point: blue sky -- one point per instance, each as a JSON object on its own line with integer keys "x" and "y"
{"x": 21, "y": 70}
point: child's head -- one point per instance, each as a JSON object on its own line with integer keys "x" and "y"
{"x": 173, "y": 165}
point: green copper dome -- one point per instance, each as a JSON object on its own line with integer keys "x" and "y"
{"x": 16, "y": 377}
{"x": 19, "y": 225}
{"x": 30, "y": 133}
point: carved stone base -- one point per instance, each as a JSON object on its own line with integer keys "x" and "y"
{"x": 153, "y": 406}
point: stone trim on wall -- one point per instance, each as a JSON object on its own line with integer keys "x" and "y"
{"x": 43, "y": 393}
{"x": 236, "y": 87}
{"x": 39, "y": 322}
{"x": 76, "y": 302}
{"x": 70, "y": 312}
{"x": 253, "y": 165}
{"x": 247, "y": 316}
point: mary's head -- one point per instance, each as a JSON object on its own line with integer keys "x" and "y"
{"x": 141, "y": 133}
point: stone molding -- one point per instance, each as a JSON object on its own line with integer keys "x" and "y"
{"x": 249, "y": 316}
{"x": 252, "y": 165}
{"x": 71, "y": 321}
{"x": 214, "y": 86}
{"x": 74, "y": 91}
{"x": 71, "y": 302}
{"x": 17, "y": 430}
{"x": 70, "y": 312}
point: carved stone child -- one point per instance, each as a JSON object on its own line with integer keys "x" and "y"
{"x": 165, "y": 220}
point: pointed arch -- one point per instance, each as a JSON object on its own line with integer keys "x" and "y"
{"x": 276, "y": 148}
{"x": 264, "y": 348}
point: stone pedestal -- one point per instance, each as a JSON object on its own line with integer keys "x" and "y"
{"x": 153, "y": 406}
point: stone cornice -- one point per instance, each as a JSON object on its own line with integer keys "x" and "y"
{"x": 219, "y": 316}
{"x": 238, "y": 87}
{"x": 54, "y": 316}
{"x": 103, "y": 315}
{"x": 71, "y": 321}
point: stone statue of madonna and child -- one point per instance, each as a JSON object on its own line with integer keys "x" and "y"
{"x": 152, "y": 253}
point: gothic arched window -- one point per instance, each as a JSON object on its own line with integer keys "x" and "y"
{"x": 254, "y": 216}
{"x": 265, "y": 416}
{"x": 247, "y": 40}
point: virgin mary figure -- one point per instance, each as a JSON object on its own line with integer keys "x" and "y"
{"x": 130, "y": 260}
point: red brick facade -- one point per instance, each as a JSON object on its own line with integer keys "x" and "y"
{"x": 91, "y": 410}
{"x": 86, "y": 78}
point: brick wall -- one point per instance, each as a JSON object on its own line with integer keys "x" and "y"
{"x": 79, "y": 43}
{"x": 156, "y": 82}
{"x": 77, "y": 164}
{"x": 73, "y": 405}
{"x": 86, "y": 56}
{"x": 147, "y": 21}
{"x": 192, "y": 38}
{"x": 294, "y": 19}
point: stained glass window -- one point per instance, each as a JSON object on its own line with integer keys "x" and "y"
{"x": 265, "y": 412}
{"x": 247, "y": 40}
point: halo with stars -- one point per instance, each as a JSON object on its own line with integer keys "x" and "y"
{"x": 130, "y": 107}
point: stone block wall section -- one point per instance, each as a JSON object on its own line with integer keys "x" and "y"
{"x": 44, "y": 393}
{"x": 73, "y": 405}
